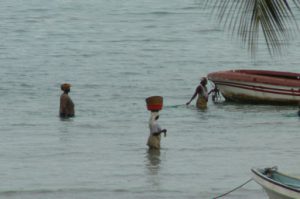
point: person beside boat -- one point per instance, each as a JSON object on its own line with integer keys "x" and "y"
{"x": 202, "y": 93}
{"x": 155, "y": 131}
{"x": 66, "y": 108}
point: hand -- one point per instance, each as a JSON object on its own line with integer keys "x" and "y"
{"x": 187, "y": 103}
{"x": 165, "y": 132}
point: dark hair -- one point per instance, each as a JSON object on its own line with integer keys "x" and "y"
{"x": 204, "y": 80}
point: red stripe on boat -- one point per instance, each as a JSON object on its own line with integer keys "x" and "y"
{"x": 258, "y": 76}
{"x": 261, "y": 89}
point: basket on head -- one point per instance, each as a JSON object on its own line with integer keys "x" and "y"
{"x": 154, "y": 103}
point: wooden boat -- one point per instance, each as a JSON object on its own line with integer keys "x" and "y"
{"x": 277, "y": 185}
{"x": 258, "y": 86}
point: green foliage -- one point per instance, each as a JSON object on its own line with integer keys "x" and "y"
{"x": 248, "y": 18}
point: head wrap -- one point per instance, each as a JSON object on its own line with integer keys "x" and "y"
{"x": 65, "y": 86}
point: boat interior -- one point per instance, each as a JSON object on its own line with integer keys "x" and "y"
{"x": 282, "y": 178}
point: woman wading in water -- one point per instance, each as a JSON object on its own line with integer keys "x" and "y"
{"x": 155, "y": 131}
{"x": 66, "y": 108}
{"x": 202, "y": 93}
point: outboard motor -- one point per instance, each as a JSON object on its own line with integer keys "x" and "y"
{"x": 216, "y": 95}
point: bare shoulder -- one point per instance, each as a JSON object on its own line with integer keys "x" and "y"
{"x": 199, "y": 88}
{"x": 64, "y": 96}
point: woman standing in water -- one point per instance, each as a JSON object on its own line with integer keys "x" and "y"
{"x": 66, "y": 108}
{"x": 202, "y": 93}
{"x": 155, "y": 131}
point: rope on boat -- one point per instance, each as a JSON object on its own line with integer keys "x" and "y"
{"x": 240, "y": 186}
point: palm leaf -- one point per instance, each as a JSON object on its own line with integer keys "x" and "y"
{"x": 247, "y": 18}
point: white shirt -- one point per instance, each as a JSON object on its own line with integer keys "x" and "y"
{"x": 154, "y": 127}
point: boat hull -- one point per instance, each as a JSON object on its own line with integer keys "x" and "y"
{"x": 260, "y": 87}
{"x": 275, "y": 190}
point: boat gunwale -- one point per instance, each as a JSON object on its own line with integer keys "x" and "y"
{"x": 272, "y": 90}
{"x": 267, "y": 72}
{"x": 259, "y": 174}
{"x": 258, "y": 76}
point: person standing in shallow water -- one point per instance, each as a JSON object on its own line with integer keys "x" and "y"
{"x": 155, "y": 131}
{"x": 66, "y": 108}
{"x": 202, "y": 93}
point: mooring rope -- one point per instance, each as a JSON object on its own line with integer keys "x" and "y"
{"x": 224, "y": 194}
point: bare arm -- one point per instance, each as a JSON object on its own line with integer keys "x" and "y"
{"x": 194, "y": 95}
{"x": 161, "y": 131}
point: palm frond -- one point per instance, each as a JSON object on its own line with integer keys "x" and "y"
{"x": 247, "y": 18}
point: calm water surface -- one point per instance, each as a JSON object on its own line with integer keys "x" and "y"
{"x": 115, "y": 54}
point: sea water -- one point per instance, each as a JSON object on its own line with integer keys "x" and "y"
{"x": 115, "y": 54}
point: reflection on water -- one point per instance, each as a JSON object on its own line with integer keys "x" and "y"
{"x": 64, "y": 128}
{"x": 153, "y": 156}
{"x": 153, "y": 168}
{"x": 66, "y": 119}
